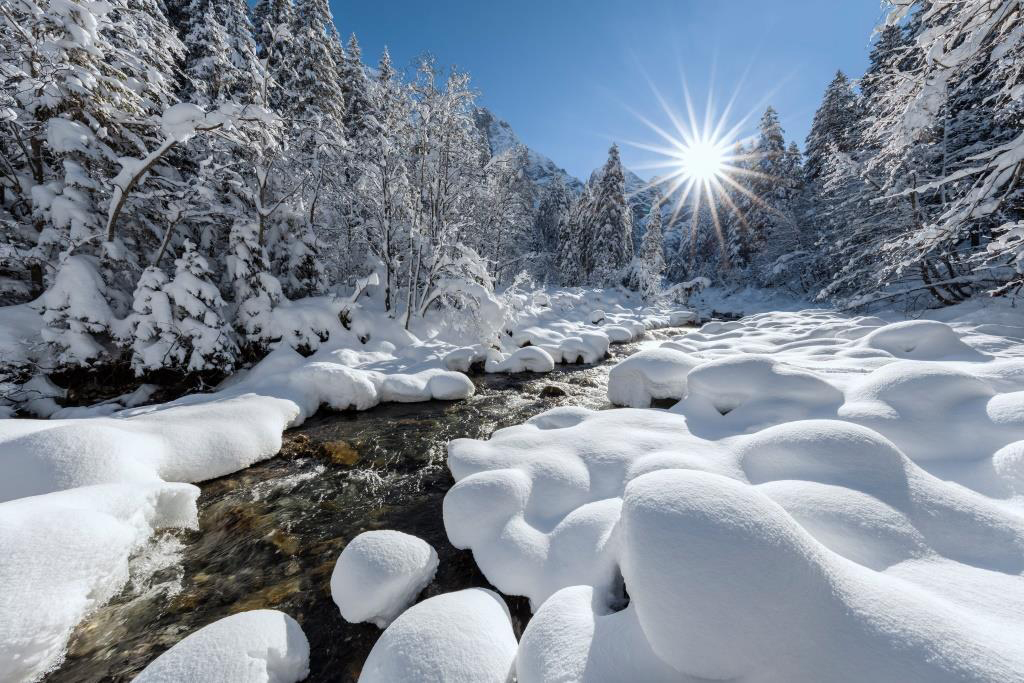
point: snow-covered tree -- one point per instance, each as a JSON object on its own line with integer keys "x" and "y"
{"x": 507, "y": 219}
{"x": 552, "y": 213}
{"x": 648, "y": 266}
{"x": 203, "y": 335}
{"x": 572, "y": 240}
{"x": 255, "y": 291}
{"x": 153, "y": 333}
{"x": 609, "y": 224}
{"x": 835, "y": 125}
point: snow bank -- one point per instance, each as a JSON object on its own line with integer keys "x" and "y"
{"x": 379, "y": 574}
{"x": 116, "y": 470}
{"x": 461, "y": 637}
{"x": 261, "y": 646}
{"x": 65, "y": 554}
{"x": 832, "y": 498}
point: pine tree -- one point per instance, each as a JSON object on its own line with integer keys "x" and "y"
{"x": 273, "y": 21}
{"x": 648, "y": 266}
{"x": 204, "y": 335}
{"x": 295, "y": 258}
{"x": 316, "y": 92}
{"x": 153, "y": 334}
{"x": 210, "y": 77}
{"x": 610, "y": 224}
{"x": 652, "y": 248}
{"x": 551, "y": 214}
{"x": 835, "y": 124}
{"x": 358, "y": 118}
{"x": 242, "y": 52}
{"x": 256, "y": 291}
{"x": 571, "y": 240}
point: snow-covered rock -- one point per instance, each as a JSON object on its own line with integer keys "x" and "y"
{"x": 461, "y": 637}
{"x": 379, "y": 574}
{"x": 650, "y": 374}
{"x": 261, "y": 646}
{"x": 526, "y": 359}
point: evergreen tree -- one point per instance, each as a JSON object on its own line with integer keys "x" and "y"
{"x": 204, "y": 339}
{"x": 315, "y": 88}
{"x": 610, "y": 224}
{"x": 153, "y": 336}
{"x": 835, "y": 124}
{"x": 242, "y": 52}
{"x": 255, "y": 290}
{"x": 551, "y": 214}
{"x": 210, "y": 77}
{"x": 572, "y": 243}
{"x": 652, "y": 248}
{"x": 273, "y": 21}
{"x": 358, "y": 118}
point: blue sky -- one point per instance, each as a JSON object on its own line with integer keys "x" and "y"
{"x": 565, "y": 73}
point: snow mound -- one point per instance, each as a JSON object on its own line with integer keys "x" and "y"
{"x": 826, "y": 501}
{"x": 575, "y": 636}
{"x": 650, "y": 374}
{"x": 526, "y": 359}
{"x": 379, "y": 574}
{"x": 261, "y": 646}
{"x": 685, "y": 530}
{"x": 746, "y": 393}
{"x": 921, "y": 340}
{"x": 461, "y": 637}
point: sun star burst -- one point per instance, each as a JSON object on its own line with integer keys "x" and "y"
{"x": 702, "y": 165}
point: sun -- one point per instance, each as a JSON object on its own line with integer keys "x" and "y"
{"x": 703, "y": 166}
{"x": 702, "y": 160}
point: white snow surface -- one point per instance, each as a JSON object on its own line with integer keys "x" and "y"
{"x": 80, "y": 495}
{"x": 460, "y": 637}
{"x": 259, "y": 646}
{"x": 832, "y": 498}
{"x": 379, "y": 574}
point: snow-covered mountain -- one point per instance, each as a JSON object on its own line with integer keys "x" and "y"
{"x": 501, "y": 138}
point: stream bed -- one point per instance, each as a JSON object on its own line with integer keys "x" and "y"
{"x": 269, "y": 535}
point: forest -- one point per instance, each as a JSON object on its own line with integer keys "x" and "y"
{"x": 171, "y": 172}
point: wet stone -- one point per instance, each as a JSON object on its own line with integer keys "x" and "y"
{"x": 552, "y": 391}
{"x": 340, "y": 452}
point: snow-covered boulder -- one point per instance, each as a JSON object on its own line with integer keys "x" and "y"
{"x": 461, "y": 637}
{"x": 463, "y": 359}
{"x": 526, "y": 359}
{"x": 379, "y": 574}
{"x": 650, "y": 374}
{"x": 577, "y": 636}
{"x": 744, "y": 393}
{"x": 920, "y": 340}
{"x": 618, "y": 334}
{"x": 679, "y": 318}
{"x": 261, "y": 646}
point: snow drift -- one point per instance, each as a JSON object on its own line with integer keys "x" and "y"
{"x": 832, "y": 498}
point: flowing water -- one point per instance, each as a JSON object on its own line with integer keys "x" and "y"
{"x": 269, "y": 535}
